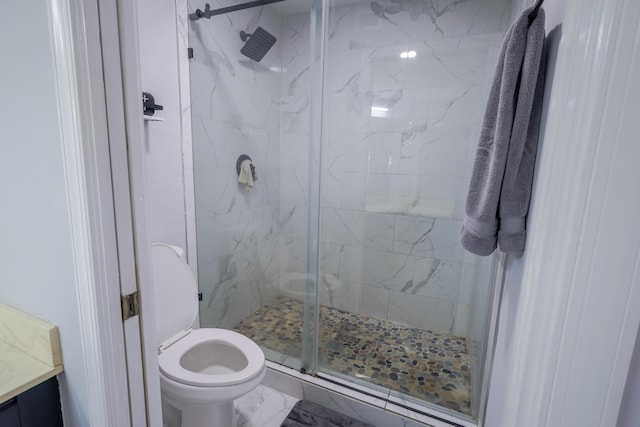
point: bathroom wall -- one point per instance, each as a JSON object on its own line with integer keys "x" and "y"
{"x": 399, "y": 136}
{"x": 630, "y": 411}
{"x": 37, "y": 273}
{"x": 235, "y": 109}
{"x": 512, "y": 293}
{"x": 571, "y": 384}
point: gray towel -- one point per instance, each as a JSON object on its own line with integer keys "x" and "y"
{"x": 500, "y": 187}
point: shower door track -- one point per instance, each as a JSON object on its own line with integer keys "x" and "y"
{"x": 366, "y": 393}
{"x": 342, "y": 389}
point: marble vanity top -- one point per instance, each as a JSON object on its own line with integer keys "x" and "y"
{"x": 29, "y": 352}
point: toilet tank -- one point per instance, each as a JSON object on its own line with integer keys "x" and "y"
{"x": 175, "y": 289}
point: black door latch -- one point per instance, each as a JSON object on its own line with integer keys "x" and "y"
{"x": 149, "y": 105}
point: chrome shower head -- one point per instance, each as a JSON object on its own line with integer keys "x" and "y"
{"x": 258, "y": 43}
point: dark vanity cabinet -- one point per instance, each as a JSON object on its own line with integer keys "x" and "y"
{"x": 37, "y": 407}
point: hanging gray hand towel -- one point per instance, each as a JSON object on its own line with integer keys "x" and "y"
{"x": 500, "y": 187}
{"x": 521, "y": 160}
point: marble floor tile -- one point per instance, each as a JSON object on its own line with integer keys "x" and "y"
{"x": 263, "y": 407}
{"x": 307, "y": 413}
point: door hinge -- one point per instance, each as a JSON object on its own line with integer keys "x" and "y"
{"x": 130, "y": 305}
{"x": 190, "y": 52}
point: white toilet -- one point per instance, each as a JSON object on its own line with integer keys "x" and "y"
{"x": 202, "y": 371}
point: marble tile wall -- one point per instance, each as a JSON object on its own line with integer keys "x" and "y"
{"x": 399, "y": 137}
{"x": 398, "y": 144}
{"x": 294, "y": 151}
{"x": 235, "y": 109}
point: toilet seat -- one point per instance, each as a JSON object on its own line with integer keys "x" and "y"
{"x": 171, "y": 359}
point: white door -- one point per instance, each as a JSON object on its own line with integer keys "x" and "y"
{"x": 126, "y": 145}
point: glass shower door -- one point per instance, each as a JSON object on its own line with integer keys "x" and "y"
{"x": 343, "y": 259}
{"x": 252, "y": 241}
{"x": 402, "y": 307}
{"x": 312, "y": 319}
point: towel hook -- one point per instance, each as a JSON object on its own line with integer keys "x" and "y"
{"x": 241, "y": 159}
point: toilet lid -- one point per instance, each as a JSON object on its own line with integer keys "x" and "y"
{"x": 176, "y": 292}
{"x": 171, "y": 359}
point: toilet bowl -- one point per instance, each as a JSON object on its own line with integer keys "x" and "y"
{"x": 202, "y": 371}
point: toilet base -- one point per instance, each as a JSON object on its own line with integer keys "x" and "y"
{"x": 203, "y": 406}
{"x": 213, "y": 415}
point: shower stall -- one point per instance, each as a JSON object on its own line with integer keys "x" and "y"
{"x": 361, "y": 119}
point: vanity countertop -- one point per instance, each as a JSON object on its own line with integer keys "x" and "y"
{"x": 29, "y": 352}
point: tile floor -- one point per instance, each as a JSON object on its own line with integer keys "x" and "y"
{"x": 417, "y": 363}
{"x": 263, "y": 407}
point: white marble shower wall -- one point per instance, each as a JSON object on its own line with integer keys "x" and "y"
{"x": 294, "y": 153}
{"x": 405, "y": 87}
{"x": 235, "y": 109}
{"x": 399, "y": 133}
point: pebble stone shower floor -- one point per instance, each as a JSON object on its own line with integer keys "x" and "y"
{"x": 422, "y": 364}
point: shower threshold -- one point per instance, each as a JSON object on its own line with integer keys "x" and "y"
{"x": 360, "y": 403}
{"x": 411, "y": 368}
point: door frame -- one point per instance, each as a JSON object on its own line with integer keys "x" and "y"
{"x": 100, "y": 114}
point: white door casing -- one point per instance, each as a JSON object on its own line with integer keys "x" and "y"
{"x": 94, "y": 41}
{"x": 83, "y": 124}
